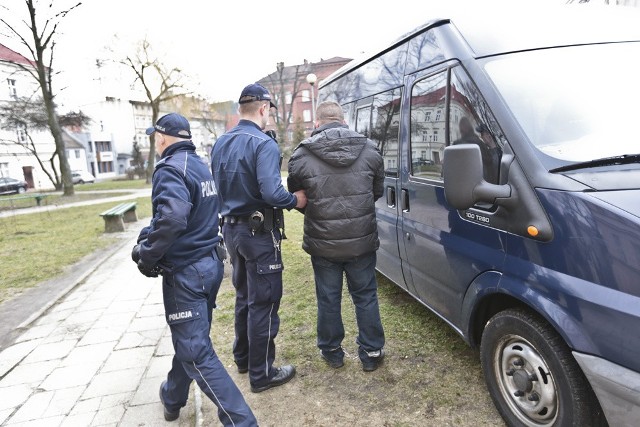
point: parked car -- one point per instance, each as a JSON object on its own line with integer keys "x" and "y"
{"x": 525, "y": 239}
{"x": 82, "y": 177}
{"x": 12, "y": 185}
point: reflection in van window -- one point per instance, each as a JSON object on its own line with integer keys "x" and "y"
{"x": 424, "y": 50}
{"x": 428, "y": 102}
{"x": 386, "y": 125}
{"x": 471, "y": 123}
{"x": 363, "y": 120}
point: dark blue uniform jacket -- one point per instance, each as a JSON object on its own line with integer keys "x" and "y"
{"x": 185, "y": 225}
{"x": 246, "y": 166}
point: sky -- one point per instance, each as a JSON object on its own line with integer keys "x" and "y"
{"x": 224, "y": 45}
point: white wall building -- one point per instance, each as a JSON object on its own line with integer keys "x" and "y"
{"x": 15, "y": 160}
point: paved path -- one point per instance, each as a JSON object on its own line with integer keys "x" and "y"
{"x": 96, "y": 355}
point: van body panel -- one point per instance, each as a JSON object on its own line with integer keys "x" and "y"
{"x": 585, "y": 280}
{"x": 618, "y": 388}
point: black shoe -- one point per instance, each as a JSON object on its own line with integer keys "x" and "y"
{"x": 243, "y": 369}
{"x": 282, "y": 376}
{"x": 373, "y": 362}
{"x": 168, "y": 415}
{"x": 334, "y": 358}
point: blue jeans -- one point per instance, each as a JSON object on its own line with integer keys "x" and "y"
{"x": 363, "y": 288}
{"x": 189, "y": 298}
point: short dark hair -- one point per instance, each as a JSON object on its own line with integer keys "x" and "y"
{"x": 329, "y": 111}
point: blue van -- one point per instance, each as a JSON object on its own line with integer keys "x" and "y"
{"x": 512, "y": 197}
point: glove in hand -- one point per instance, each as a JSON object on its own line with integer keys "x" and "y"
{"x": 135, "y": 253}
{"x": 149, "y": 271}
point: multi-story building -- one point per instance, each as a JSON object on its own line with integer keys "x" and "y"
{"x": 294, "y": 89}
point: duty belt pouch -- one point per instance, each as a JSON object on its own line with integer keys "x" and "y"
{"x": 256, "y": 221}
{"x": 268, "y": 220}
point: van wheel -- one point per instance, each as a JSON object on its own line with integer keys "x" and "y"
{"x": 532, "y": 376}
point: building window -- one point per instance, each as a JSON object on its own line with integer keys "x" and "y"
{"x": 306, "y": 96}
{"x": 77, "y": 153}
{"x": 288, "y": 98}
{"x": 13, "y": 93}
{"x": 306, "y": 115}
{"x": 21, "y": 133}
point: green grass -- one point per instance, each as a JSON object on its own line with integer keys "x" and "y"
{"x": 114, "y": 184}
{"x": 36, "y": 247}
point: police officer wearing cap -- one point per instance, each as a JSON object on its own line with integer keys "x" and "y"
{"x": 182, "y": 244}
{"x": 246, "y": 168}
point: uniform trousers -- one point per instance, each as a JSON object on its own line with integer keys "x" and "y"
{"x": 189, "y": 299}
{"x": 257, "y": 278}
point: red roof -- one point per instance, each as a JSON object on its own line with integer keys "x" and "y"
{"x": 9, "y": 55}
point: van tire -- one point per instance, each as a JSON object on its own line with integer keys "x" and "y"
{"x": 532, "y": 376}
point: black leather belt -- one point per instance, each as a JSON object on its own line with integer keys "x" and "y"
{"x": 236, "y": 219}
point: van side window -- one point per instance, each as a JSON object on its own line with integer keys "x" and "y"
{"x": 385, "y": 119}
{"x": 471, "y": 122}
{"x": 428, "y": 124}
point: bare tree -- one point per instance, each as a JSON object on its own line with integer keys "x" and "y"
{"x": 283, "y": 80}
{"x": 39, "y": 39}
{"x": 159, "y": 83}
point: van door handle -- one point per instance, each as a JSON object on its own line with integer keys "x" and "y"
{"x": 391, "y": 197}
{"x": 404, "y": 194}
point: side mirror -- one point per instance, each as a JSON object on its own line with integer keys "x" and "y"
{"x": 464, "y": 183}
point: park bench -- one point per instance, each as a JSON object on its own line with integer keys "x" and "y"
{"x": 38, "y": 197}
{"x": 115, "y": 217}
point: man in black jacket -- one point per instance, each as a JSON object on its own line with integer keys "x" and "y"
{"x": 342, "y": 174}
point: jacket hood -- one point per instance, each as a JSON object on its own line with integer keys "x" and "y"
{"x": 335, "y": 144}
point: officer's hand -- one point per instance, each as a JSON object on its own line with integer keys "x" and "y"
{"x": 147, "y": 270}
{"x": 302, "y": 199}
{"x": 135, "y": 253}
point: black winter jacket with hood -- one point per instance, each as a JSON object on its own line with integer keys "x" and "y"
{"x": 343, "y": 175}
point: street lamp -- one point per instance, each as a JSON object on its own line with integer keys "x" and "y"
{"x": 312, "y": 79}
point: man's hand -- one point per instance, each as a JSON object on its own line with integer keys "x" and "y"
{"x": 147, "y": 270}
{"x": 302, "y": 199}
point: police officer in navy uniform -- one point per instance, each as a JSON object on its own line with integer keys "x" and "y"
{"x": 182, "y": 244}
{"x": 246, "y": 168}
